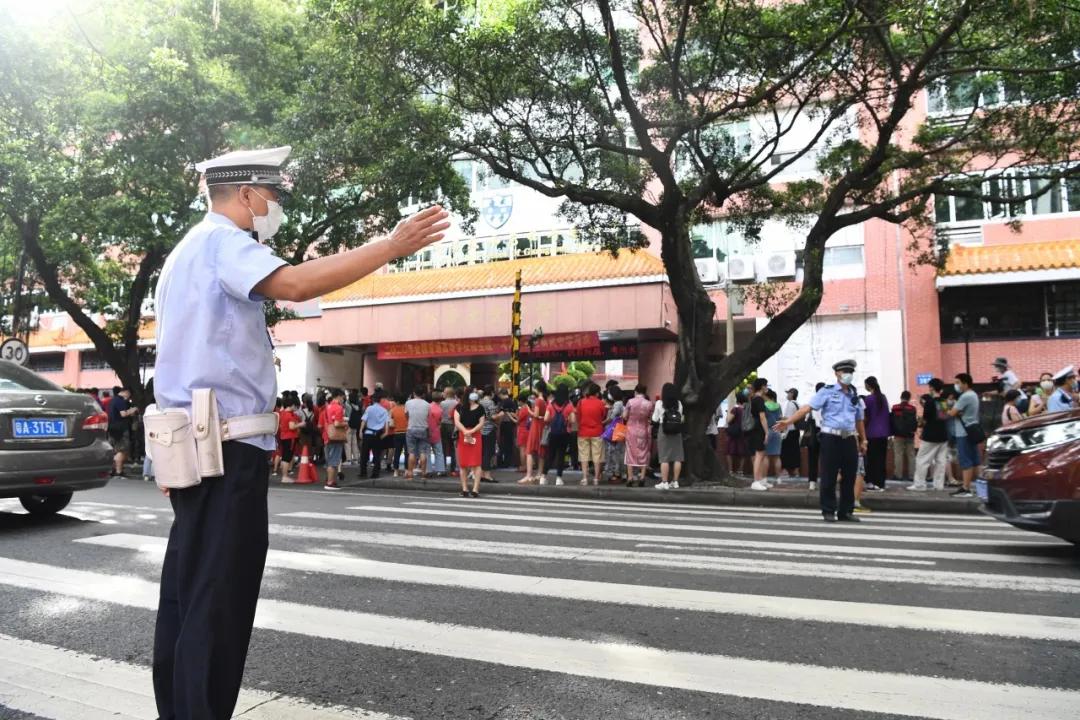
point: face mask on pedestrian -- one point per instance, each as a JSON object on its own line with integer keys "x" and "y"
{"x": 473, "y": 397}
{"x": 957, "y": 388}
{"x": 266, "y": 226}
{"x": 1047, "y": 385}
{"x": 847, "y": 378}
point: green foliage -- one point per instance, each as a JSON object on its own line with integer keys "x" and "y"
{"x": 565, "y": 379}
{"x": 100, "y": 131}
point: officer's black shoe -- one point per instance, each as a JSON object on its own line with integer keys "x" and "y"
{"x": 828, "y": 517}
{"x": 849, "y": 518}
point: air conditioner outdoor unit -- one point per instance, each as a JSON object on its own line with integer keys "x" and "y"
{"x": 780, "y": 266}
{"x": 710, "y": 270}
{"x": 740, "y": 268}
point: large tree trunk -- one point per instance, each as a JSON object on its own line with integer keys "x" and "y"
{"x": 125, "y": 363}
{"x": 701, "y": 382}
{"x": 694, "y": 376}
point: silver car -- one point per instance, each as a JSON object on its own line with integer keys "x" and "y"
{"x": 52, "y": 442}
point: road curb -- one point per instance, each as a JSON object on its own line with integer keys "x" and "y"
{"x": 803, "y": 499}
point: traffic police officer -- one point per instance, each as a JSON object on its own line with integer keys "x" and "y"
{"x": 211, "y": 334}
{"x": 1063, "y": 398}
{"x": 842, "y": 437}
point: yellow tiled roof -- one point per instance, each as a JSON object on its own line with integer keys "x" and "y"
{"x": 72, "y": 334}
{"x": 577, "y": 268}
{"x": 1015, "y": 257}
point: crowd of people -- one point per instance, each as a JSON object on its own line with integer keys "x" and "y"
{"x": 943, "y": 431}
{"x": 621, "y": 437}
{"x": 469, "y": 432}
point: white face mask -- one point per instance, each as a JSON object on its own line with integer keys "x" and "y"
{"x": 473, "y": 397}
{"x": 1047, "y": 385}
{"x": 846, "y": 378}
{"x": 266, "y": 226}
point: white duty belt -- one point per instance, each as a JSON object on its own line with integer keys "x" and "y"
{"x": 838, "y": 432}
{"x": 245, "y": 426}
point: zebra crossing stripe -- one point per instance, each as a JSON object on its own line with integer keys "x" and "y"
{"x": 52, "y": 682}
{"x": 740, "y": 520}
{"x": 697, "y": 508}
{"x": 859, "y": 690}
{"x": 891, "y": 518}
{"x": 806, "y": 609}
{"x": 847, "y": 533}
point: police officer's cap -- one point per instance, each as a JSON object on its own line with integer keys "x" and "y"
{"x": 848, "y": 365}
{"x": 247, "y": 167}
{"x": 1064, "y": 373}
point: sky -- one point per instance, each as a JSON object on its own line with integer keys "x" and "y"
{"x": 39, "y": 11}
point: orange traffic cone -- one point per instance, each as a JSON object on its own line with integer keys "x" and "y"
{"x": 307, "y": 474}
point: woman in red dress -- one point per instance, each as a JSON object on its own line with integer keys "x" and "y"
{"x": 524, "y": 419}
{"x": 534, "y": 450}
{"x": 470, "y": 418}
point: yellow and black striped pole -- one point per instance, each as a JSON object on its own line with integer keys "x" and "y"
{"x": 515, "y": 340}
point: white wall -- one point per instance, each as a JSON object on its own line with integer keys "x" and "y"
{"x": 873, "y": 340}
{"x": 304, "y": 368}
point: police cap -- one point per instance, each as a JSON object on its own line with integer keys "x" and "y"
{"x": 848, "y": 365}
{"x": 247, "y": 167}
{"x": 1064, "y": 373}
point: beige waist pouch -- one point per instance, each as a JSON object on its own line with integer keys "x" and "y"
{"x": 185, "y": 447}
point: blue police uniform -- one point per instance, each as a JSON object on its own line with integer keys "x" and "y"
{"x": 211, "y": 333}
{"x": 376, "y": 418}
{"x": 840, "y": 408}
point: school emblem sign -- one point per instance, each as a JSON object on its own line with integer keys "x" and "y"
{"x": 496, "y": 211}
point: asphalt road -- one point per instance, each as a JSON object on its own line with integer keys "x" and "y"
{"x": 394, "y": 605}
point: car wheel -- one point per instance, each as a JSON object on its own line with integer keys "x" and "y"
{"x": 45, "y": 504}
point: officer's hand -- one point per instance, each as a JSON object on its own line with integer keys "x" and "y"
{"x": 420, "y": 230}
{"x": 780, "y": 426}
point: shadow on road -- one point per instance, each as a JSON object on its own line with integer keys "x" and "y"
{"x": 15, "y": 521}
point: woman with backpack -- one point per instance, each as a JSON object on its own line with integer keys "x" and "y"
{"x": 668, "y": 415}
{"x": 638, "y": 415}
{"x": 560, "y": 420}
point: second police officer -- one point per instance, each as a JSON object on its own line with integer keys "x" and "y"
{"x": 842, "y": 437}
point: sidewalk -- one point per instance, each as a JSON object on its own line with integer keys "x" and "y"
{"x": 789, "y": 495}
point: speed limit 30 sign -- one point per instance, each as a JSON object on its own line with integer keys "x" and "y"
{"x": 15, "y": 350}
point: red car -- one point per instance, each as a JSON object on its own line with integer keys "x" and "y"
{"x": 1032, "y": 475}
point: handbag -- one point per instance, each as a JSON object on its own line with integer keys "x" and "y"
{"x": 337, "y": 434}
{"x": 975, "y": 433}
{"x": 618, "y": 433}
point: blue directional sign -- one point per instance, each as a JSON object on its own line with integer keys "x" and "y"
{"x": 924, "y": 378}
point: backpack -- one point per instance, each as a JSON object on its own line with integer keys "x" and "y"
{"x": 672, "y": 421}
{"x": 904, "y": 422}
{"x": 804, "y": 424}
{"x": 356, "y": 417}
{"x": 734, "y": 428}
{"x": 748, "y": 422}
{"x": 558, "y": 421}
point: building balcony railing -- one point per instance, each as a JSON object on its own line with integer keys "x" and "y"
{"x": 496, "y": 248}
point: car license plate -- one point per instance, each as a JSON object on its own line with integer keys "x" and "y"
{"x": 38, "y": 428}
{"x": 982, "y": 489}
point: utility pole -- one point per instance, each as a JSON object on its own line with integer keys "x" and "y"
{"x": 515, "y": 339}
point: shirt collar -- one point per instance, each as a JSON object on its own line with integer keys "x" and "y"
{"x": 219, "y": 219}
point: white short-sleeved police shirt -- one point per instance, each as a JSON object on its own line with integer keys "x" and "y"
{"x": 211, "y": 331}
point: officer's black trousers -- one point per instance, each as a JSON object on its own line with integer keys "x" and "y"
{"x": 209, "y": 588}
{"x": 839, "y": 456}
